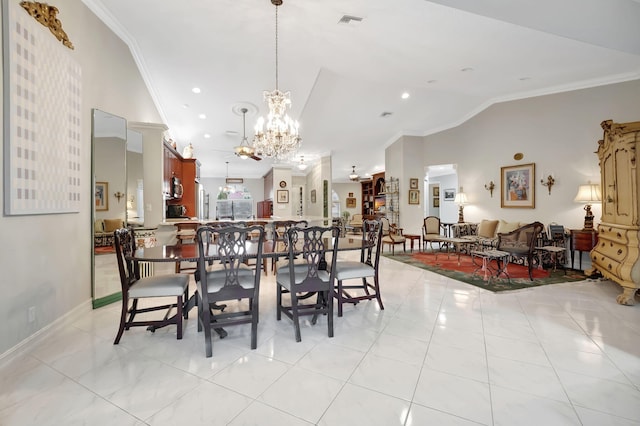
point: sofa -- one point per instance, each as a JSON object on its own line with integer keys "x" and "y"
{"x": 486, "y": 232}
{"x": 103, "y": 231}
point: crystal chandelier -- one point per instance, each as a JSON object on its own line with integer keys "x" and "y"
{"x": 278, "y": 137}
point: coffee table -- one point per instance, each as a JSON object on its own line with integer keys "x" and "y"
{"x": 490, "y": 272}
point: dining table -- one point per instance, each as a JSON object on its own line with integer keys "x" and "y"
{"x": 190, "y": 252}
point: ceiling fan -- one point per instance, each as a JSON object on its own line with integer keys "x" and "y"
{"x": 244, "y": 150}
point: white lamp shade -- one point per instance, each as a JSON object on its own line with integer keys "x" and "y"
{"x": 461, "y": 198}
{"x": 589, "y": 193}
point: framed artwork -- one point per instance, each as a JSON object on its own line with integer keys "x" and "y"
{"x": 449, "y": 194}
{"x": 436, "y": 191}
{"x": 351, "y": 195}
{"x": 414, "y": 196}
{"x": 283, "y": 195}
{"x": 436, "y": 202}
{"x": 351, "y": 203}
{"x": 413, "y": 183}
{"x": 517, "y": 187}
{"x": 102, "y": 196}
{"x": 313, "y": 196}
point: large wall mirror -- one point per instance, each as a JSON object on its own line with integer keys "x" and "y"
{"x": 109, "y": 171}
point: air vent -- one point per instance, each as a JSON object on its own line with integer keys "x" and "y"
{"x": 349, "y": 19}
{"x": 385, "y": 114}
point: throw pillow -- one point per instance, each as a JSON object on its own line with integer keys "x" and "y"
{"x": 98, "y": 226}
{"x": 506, "y": 227}
{"x": 111, "y": 225}
{"x": 487, "y": 228}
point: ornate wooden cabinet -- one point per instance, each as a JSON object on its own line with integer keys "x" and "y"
{"x": 617, "y": 252}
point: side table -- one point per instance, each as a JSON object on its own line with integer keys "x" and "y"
{"x": 501, "y": 257}
{"x": 582, "y": 240}
{"x": 412, "y": 238}
{"x": 553, "y": 251}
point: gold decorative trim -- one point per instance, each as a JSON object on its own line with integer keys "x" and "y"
{"x": 46, "y": 15}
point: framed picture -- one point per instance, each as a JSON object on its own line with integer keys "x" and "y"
{"x": 351, "y": 195}
{"x": 313, "y": 196}
{"x": 450, "y": 194}
{"x": 351, "y": 203}
{"x": 283, "y": 195}
{"x": 414, "y": 196}
{"x": 436, "y": 192}
{"x": 102, "y": 196}
{"x": 413, "y": 183}
{"x": 436, "y": 202}
{"x": 517, "y": 186}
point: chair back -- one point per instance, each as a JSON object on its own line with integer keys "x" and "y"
{"x": 522, "y": 240}
{"x": 125, "y": 244}
{"x": 311, "y": 245}
{"x": 371, "y": 242}
{"x": 234, "y": 248}
{"x": 431, "y": 225}
{"x": 281, "y": 227}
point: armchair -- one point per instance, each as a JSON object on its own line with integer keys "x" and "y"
{"x": 430, "y": 231}
{"x": 392, "y": 235}
{"x": 521, "y": 243}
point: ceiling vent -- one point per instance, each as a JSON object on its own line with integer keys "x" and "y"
{"x": 350, "y": 20}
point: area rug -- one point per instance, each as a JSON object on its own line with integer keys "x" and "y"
{"x": 519, "y": 275}
{"x": 104, "y": 250}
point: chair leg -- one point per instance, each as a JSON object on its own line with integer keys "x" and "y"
{"x": 179, "y": 317}
{"x": 254, "y": 325}
{"x": 340, "y": 297}
{"x": 206, "y": 322}
{"x": 329, "y": 301}
{"x": 279, "y": 303}
{"x": 123, "y": 319}
{"x": 377, "y": 286}
{"x": 294, "y": 315}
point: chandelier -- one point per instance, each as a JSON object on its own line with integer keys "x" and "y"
{"x": 278, "y": 137}
{"x": 353, "y": 176}
{"x": 243, "y": 150}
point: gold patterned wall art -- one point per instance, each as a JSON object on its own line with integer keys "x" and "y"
{"x": 47, "y": 16}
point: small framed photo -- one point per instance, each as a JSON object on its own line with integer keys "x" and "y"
{"x": 517, "y": 186}
{"x": 351, "y": 203}
{"x": 436, "y": 202}
{"x": 351, "y": 195}
{"x": 436, "y": 191}
{"x": 414, "y": 196}
{"x": 313, "y": 196}
{"x": 413, "y": 183}
{"x": 450, "y": 194}
{"x": 102, "y": 196}
{"x": 283, "y": 196}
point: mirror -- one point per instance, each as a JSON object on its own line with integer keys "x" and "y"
{"x": 135, "y": 180}
{"x": 109, "y": 211}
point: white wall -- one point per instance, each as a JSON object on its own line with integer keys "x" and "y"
{"x": 559, "y": 133}
{"x": 343, "y": 190}
{"x": 50, "y": 268}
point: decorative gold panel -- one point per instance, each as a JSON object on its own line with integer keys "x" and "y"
{"x": 46, "y": 15}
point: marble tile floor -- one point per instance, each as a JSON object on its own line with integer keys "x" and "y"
{"x": 441, "y": 353}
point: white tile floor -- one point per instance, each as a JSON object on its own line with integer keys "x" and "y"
{"x": 441, "y": 353}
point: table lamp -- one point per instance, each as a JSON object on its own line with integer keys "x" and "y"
{"x": 588, "y": 194}
{"x": 460, "y": 200}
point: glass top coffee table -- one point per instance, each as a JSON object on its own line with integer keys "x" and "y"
{"x": 488, "y": 269}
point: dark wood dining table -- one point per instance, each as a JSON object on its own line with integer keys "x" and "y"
{"x": 191, "y": 253}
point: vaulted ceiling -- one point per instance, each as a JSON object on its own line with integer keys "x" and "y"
{"x": 453, "y": 57}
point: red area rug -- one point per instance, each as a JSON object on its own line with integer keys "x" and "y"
{"x": 104, "y": 250}
{"x": 471, "y": 273}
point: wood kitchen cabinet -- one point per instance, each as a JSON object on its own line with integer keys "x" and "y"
{"x": 616, "y": 255}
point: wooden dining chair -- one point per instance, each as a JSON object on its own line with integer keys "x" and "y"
{"x": 134, "y": 288}
{"x": 367, "y": 267}
{"x": 306, "y": 275}
{"x": 228, "y": 279}
{"x": 278, "y": 238}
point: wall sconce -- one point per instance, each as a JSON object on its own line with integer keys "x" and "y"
{"x": 118, "y": 195}
{"x": 490, "y": 187}
{"x": 549, "y": 183}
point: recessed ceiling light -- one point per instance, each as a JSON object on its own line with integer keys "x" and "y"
{"x": 207, "y": 135}
{"x": 405, "y": 95}
{"x": 202, "y": 116}
{"x": 467, "y": 69}
{"x": 196, "y": 90}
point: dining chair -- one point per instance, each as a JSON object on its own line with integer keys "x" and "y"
{"x": 134, "y": 288}
{"x": 228, "y": 279}
{"x": 307, "y": 275}
{"x": 367, "y": 267}
{"x": 278, "y": 238}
